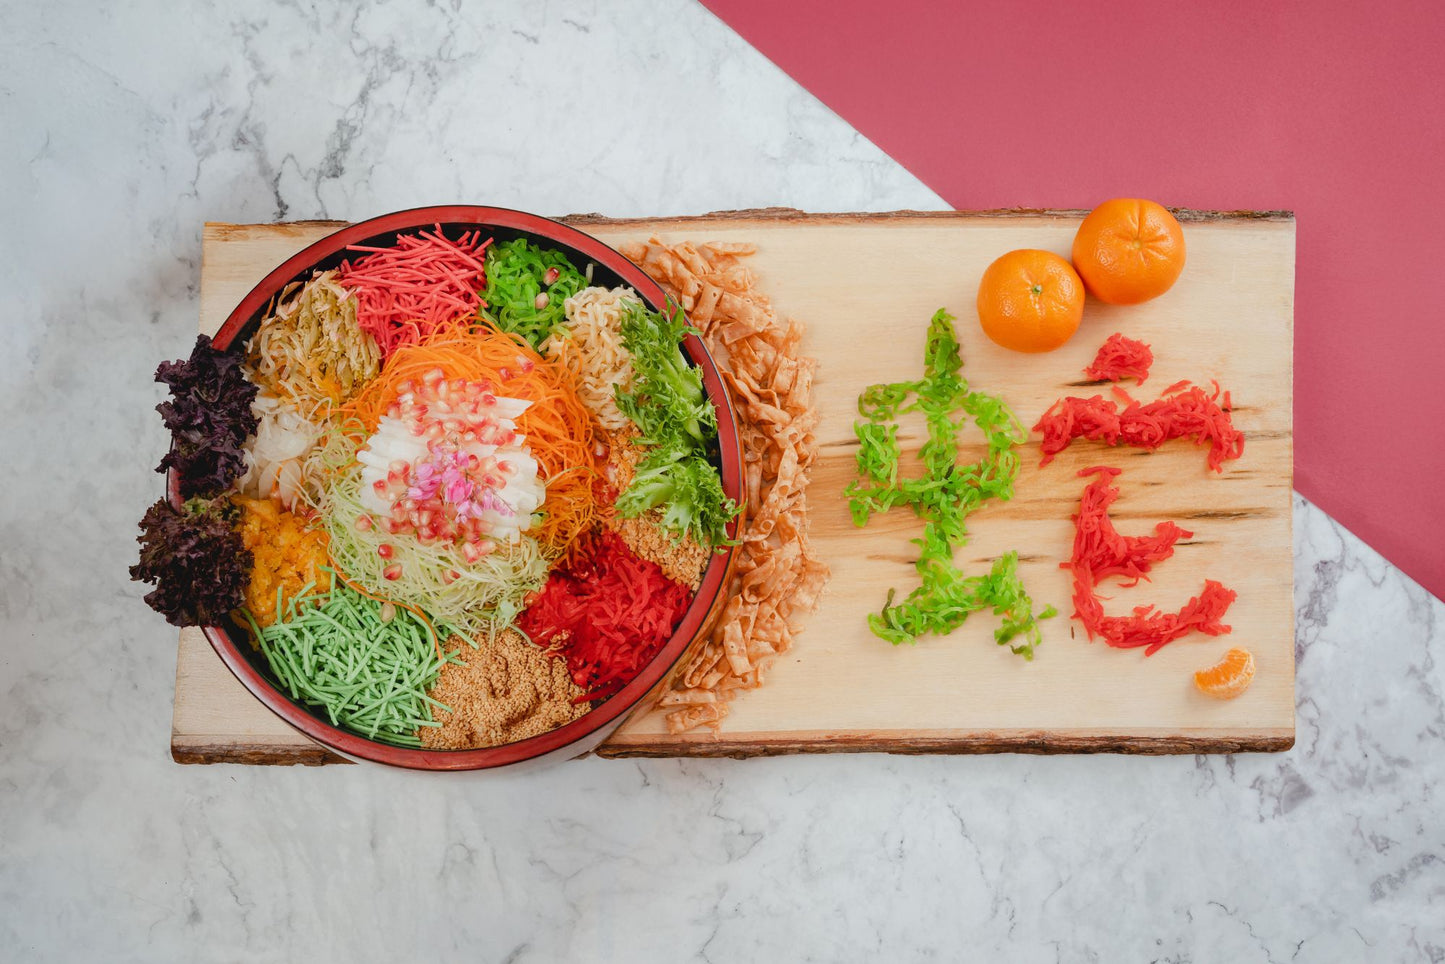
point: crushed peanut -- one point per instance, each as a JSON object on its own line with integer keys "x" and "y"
{"x": 506, "y": 690}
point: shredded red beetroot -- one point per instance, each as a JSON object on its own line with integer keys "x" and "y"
{"x": 1100, "y": 552}
{"x": 1120, "y": 358}
{"x": 1183, "y": 411}
{"x": 403, "y": 293}
{"x": 618, "y": 611}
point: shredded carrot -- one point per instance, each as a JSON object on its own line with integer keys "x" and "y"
{"x": 404, "y": 293}
{"x": 1100, "y": 552}
{"x": 1183, "y": 411}
{"x": 557, "y": 426}
{"x": 1119, "y": 358}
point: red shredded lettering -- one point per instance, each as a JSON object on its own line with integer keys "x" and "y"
{"x": 1100, "y": 552}
{"x": 1183, "y": 411}
{"x": 1120, "y": 358}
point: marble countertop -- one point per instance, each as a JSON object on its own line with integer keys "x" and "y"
{"x": 123, "y": 130}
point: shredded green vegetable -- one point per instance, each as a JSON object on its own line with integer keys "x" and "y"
{"x": 678, "y": 426}
{"x": 516, "y": 276}
{"x": 476, "y": 597}
{"x": 943, "y": 496}
{"x": 339, "y": 652}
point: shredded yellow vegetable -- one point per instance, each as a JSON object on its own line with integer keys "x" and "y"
{"x": 310, "y": 349}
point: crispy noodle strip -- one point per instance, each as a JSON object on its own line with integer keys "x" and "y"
{"x": 778, "y": 577}
{"x": 591, "y": 348}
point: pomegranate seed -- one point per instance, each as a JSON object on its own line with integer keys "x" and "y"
{"x": 385, "y": 550}
{"x": 551, "y": 276}
{"x": 392, "y": 571}
{"x": 393, "y": 527}
{"x": 472, "y": 551}
{"x": 450, "y": 576}
{"x": 379, "y": 487}
{"x": 433, "y": 377}
{"x": 487, "y": 547}
{"x": 540, "y": 301}
{"x": 364, "y": 523}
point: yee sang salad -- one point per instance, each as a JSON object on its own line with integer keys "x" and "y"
{"x": 456, "y": 493}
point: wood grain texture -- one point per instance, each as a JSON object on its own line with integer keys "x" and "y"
{"x": 866, "y": 285}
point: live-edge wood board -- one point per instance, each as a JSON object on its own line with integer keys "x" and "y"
{"x": 865, "y": 285}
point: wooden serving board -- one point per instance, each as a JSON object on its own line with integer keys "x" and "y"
{"x": 866, "y": 285}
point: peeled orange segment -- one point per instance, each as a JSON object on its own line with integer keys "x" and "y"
{"x": 1229, "y": 677}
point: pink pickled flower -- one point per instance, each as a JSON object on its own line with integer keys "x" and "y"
{"x": 458, "y": 491}
{"x": 490, "y": 501}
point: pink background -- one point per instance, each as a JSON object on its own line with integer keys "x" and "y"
{"x": 1333, "y": 110}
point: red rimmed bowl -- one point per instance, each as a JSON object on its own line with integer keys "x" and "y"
{"x": 610, "y": 269}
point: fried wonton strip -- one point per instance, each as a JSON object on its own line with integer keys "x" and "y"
{"x": 686, "y": 697}
{"x": 700, "y": 714}
{"x": 778, "y": 577}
